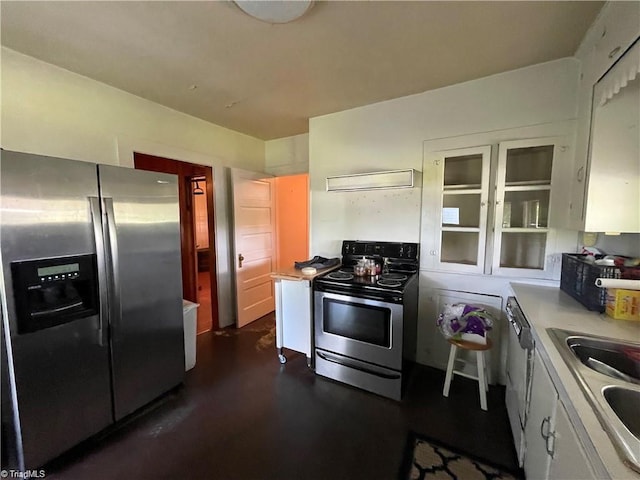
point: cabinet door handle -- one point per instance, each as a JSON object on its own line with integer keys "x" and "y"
{"x": 549, "y": 436}
{"x": 497, "y": 202}
{"x": 546, "y": 421}
{"x": 551, "y": 439}
{"x": 240, "y": 260}
{"x": 580, "y": 175}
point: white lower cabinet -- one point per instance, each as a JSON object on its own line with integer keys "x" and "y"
{"x": 553, "y": 450}
{"x": 569, "y": 460}
{"x": 542, "y": 408}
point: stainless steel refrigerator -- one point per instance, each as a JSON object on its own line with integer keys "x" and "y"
{"x": 92, "y": 299}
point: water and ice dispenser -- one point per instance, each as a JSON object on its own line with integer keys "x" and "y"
{"x": 54, "y": 291}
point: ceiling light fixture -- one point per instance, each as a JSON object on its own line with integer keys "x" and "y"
{"x": 275, "y": 11}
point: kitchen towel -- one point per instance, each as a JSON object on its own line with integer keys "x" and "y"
{"x": 618, "y": 283}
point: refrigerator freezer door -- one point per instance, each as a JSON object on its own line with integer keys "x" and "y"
{"x": 142, "y": 229}
{"x": 62, "y": 379}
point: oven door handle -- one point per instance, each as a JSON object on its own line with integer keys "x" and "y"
{"x": 347, "y": 363}
{"x": 331, "y": 292}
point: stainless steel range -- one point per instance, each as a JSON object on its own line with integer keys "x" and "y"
{"x": 365, "y": 325}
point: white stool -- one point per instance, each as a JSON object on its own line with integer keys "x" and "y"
{"x": 483, "y": 384}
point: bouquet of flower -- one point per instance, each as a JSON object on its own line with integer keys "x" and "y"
{"x": 461, "y": 321}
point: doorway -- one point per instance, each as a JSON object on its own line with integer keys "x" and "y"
{"x": 200, "y": 219}
{"x": 191, "y": 177}
{"x": 292, "y": 219}
{"x": 271, "y": 233}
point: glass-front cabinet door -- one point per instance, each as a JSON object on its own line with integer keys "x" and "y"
{"x": 463, "y": 209}
{"x": 498, "y": 208}
{"x": 523, "y": 211}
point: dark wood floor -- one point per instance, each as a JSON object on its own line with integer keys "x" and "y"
{"x": 242, "y": 415}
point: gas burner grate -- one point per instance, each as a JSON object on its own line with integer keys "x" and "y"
{"x": 340, "y": 275}
{"x": 394, "y": 276}
{"x": 389, "y": 283}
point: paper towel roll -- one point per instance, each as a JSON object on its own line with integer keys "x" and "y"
{"x": 618, "y": 283}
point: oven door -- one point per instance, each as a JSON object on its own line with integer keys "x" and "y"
{"x": 361, "y": 328}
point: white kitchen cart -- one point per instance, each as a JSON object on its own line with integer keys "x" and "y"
{"x": 294, "y": 305}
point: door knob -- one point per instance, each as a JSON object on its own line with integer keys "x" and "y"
{"x": 240, "y": 259}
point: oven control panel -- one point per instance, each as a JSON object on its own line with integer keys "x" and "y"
{"x": 399, "y": 250}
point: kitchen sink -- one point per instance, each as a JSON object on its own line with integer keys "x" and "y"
{"x": 608, "y": 372}
{"x": 607, "y": 357}
{"x": 624, "y": 403}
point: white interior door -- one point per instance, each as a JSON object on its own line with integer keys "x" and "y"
{"x": 254, "y": 244}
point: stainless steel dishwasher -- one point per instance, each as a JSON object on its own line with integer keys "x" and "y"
{"x": 519, "y": 373}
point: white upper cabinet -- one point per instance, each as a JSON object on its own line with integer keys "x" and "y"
{"x": 494, "y": 209}
{"x": 525, "y": 205}
{"x": 616, "y": 34}
{"x": 612, "y": 182}
{"x": 602, "y": 184}
{"x": 463, "y": 176}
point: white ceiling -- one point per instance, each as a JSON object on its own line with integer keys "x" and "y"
{"x": 267, "y": 80}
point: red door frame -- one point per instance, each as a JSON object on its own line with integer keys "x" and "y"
{"x": 186, "y": 171}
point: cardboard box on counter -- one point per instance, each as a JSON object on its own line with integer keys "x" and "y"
{"x": 623, "y": 304}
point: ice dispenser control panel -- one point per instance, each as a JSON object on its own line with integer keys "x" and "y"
{"x": 59, "y": 272}
{"x": 54, "y": 291}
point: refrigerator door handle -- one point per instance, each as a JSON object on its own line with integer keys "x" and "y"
{"x": 112, "y": 259}
{"x": 96, "y": 221}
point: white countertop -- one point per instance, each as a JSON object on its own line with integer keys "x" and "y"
{"x": 295, "y": 274}
{"x": 549, "y": 307}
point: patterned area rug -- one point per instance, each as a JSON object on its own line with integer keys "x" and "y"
{"x": 427, "y": 460}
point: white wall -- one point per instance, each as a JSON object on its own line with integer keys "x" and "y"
{"x": 627, "y": 244}
{"x": 287, "y": 156}
{"x": 50, "y": 111}
{"x": 390, "y": 135}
